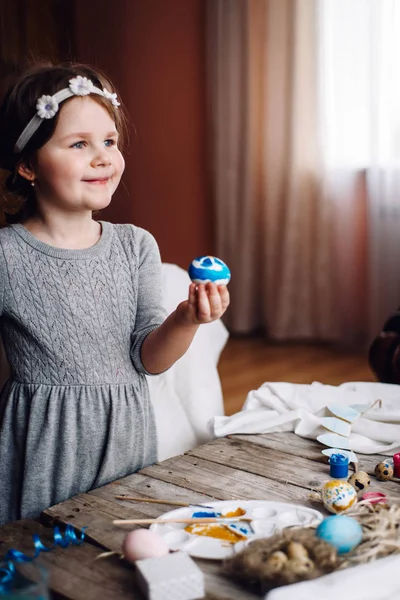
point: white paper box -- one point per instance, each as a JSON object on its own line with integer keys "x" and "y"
{"x": 172, "y": 577}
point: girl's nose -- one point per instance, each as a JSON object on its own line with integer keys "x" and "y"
{"x": 101, "y": 158}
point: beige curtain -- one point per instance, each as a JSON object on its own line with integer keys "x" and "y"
{"x": 276, "y": 224}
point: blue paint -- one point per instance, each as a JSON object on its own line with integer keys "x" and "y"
{"x": 243, "y": 528}
{"x": 339, "y": 466}
{"x": 201, "y": 514}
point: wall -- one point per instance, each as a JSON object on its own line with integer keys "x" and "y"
{"x": 154, "y": 52}
{"x": 32, "y": 30}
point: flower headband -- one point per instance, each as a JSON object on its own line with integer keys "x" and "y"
{"x": 47, "y": 106}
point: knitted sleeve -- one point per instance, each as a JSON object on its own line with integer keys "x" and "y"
{"x": 150, "y": 311}
{"x": 384, "y": 352}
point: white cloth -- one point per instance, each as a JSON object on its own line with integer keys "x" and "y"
{"x": 279, "y": 406}
{"x": 377, "y": 580}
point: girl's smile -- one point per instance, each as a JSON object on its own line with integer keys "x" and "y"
{"x": 101, "y": 181}
{"x": 98, "y": 181}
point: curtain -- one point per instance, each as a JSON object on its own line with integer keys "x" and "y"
{"x": 272, "y": 218}
{"x": 295, "y": 219}
{"x": 359, "y": 74}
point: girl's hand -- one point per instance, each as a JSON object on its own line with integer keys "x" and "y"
{"x": 206, "y": 303}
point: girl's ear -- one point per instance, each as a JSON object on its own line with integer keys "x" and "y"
{"x": 26, "y": 171}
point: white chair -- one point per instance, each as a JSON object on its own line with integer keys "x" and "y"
{"x": 189, "y": 395}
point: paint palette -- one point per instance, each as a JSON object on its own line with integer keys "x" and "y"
{"x": 265, "y": 518}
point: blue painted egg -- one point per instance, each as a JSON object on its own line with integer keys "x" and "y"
{"x": 206, "y": 269}
{"x": 344, "y": 533}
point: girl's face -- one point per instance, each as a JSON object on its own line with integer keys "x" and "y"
{"x": 80, "y": 167}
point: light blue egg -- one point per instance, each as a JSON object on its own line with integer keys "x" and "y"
{"x": 206, "y": 269}
{"x": 344, "y": 533}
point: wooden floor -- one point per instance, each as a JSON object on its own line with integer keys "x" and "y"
{"x": 246, "y": 363}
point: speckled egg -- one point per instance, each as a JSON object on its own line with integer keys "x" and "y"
{"x": 342, "y": 532}
{"x": 206, "y": 269}
{"x": 338, "y": 496}
{"x": 143, "y": 543}
{"x": 384, "y": 471}
{"x": 360, "y": 481}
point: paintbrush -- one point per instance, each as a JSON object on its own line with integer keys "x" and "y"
{"x": 157, "y": 501}
{"x": 187, "y": 521}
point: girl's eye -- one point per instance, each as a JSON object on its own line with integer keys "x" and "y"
{"x": 78, "y": 145}
{"x": 110, "y": 143}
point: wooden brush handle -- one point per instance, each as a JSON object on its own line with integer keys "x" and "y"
{"x": 187, "y": 521}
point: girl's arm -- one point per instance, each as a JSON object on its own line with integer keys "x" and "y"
{"x": 166, "y": 344}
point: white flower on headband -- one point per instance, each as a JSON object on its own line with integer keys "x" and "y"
{"x": 111, "y": 97}
{"x": 47, "y": 107}
{"x": 81, "y": 86}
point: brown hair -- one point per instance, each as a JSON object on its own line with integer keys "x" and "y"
{"x": 17, "y": 109}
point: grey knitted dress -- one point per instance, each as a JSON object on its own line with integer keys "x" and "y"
{"x": 75, "y": 413}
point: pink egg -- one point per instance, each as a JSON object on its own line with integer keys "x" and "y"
{"x": 143, "y": 543}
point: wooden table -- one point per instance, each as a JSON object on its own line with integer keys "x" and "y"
{"x": 281, "y": 467}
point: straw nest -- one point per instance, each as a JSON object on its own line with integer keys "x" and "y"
{"x": 297, "y": 554}
{"x": 380, "y": 524}
{"x": 291, "y": 556}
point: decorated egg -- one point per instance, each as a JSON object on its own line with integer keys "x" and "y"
{"x": 338, "y": 496}
{"x": 342, "y": 532}
{"x": 384, "y": 471}
{"x": 206, "y": 269}
{"x": 143, "y": 543}
{"x": 360, "y": 481}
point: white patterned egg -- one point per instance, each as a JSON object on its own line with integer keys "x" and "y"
{"x": 206, "y": 269}
{"x": 338, "y": 496}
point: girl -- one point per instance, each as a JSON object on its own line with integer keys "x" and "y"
{"x": 80, "y": 300}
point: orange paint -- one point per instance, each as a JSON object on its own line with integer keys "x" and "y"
{"x": 220, "y": 532}
{"x": 239, "y": 512}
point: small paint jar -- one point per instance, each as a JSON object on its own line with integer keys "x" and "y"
{"x": 339, "y": 466}
{"x": 396, "y": 464}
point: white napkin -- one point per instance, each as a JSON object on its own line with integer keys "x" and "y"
{"x": 281, "y": 406}
{"x": 377, "y": 580}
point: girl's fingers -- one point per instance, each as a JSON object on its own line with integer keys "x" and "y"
{"x": 223, "y": 292}
{"x": 207, "y": 301}
{"x": 192, "y": 295}
{"x": 203, "y": 304}
{"x": 214, "y": 299}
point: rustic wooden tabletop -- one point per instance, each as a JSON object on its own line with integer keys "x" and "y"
{"x": 278, "y": 467}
